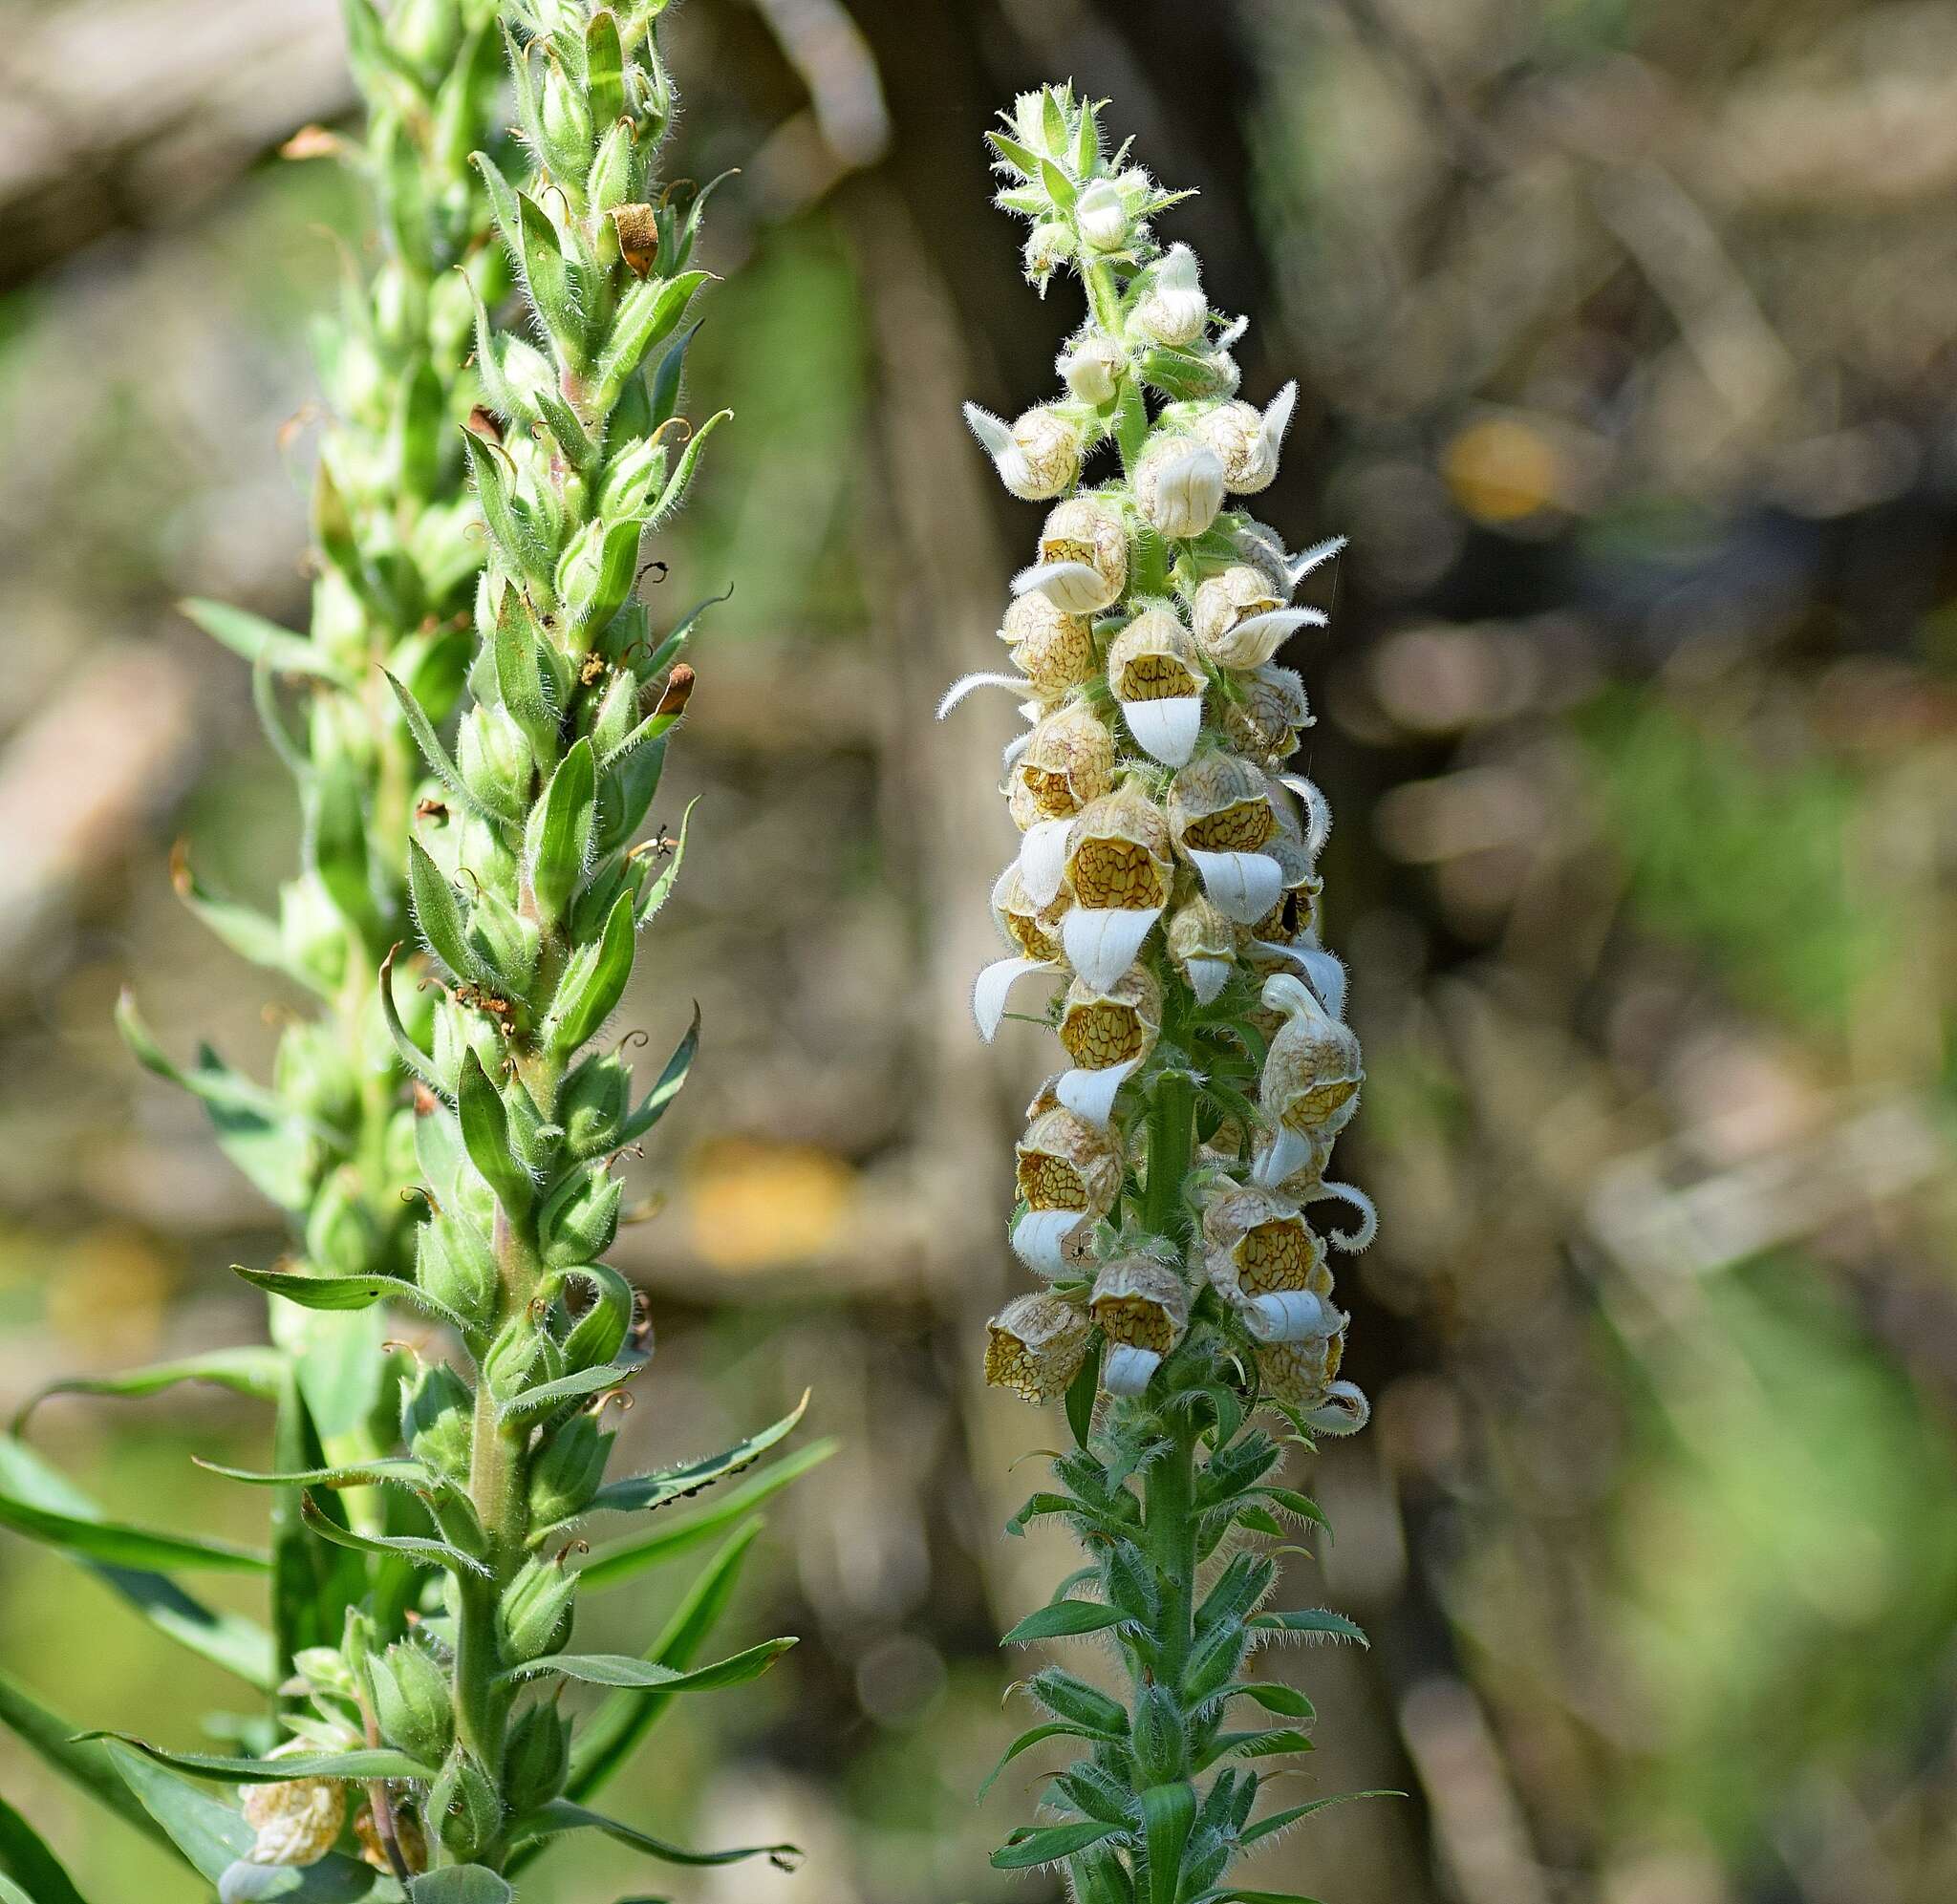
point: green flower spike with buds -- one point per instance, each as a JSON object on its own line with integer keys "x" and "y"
{"x": 1166, "y": 877}
{"x": 427, "y": 1550}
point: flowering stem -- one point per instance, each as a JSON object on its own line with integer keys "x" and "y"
{"x": 1171, "y": 1144}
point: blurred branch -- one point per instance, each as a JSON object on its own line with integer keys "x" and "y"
{"x": 193, "y": 94}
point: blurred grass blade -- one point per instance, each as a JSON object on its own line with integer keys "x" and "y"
{"x": 230, "y": 1640}
{"x": 253, "y": 1372}
{"x": 368, "y": 1762}
{"x": 26, "y": 1859}
{"x": 52, "y": 1739}
{"x": 610, "y": 1735}
{"x": 626, "y": 1559}
{"x": 562, "y": 1815}
{"x": 119, "y": 1545}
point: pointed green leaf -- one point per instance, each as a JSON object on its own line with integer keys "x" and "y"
{"x": 653, "y": 1106}
{"x": 222, "y": 1768}
{"x": 118, "y": 1545}
{"x": 417, "y": 1062}
{"x": 1313, "y": 1619}
{"x": 574, "y": 1387}
{"x": 610, "y": 1735}
{"x": 593, "y": 982}
{"x": 646, "y": 1491}
{"x": 391, "y": 1472}
{"x": 622, "y": 1670}
{"x": 249, "y": 933}
{"x": 562, "y": 1815}
{"x": 519, "y": 542}
{"x": 1058, "y": 1728}
{"x": 661, "y": 888}
{"x": 558, "y": 844}
{"x": 438, "y": 913}
{"x": 603, "y": 68}
{"x": 520, "y": 675}
{"x": 437, "y": 756}
{"x": 1168, "y": 1811}
{"x": 1287, "y": 1701}
{"x": 414, "y": 1550}
{"x": 647, "y": 315}
{"x": 680, "y": 481}
{"x": 626, "y": 1559}
{"x": 340, "y": 1293}
{"x": 1278, "y": 1820}
{"x": 460, "y": 1884}
{"x": 485, "y": 1136}
{"x": 1062, "y": 1620}
{"x": 1048, "y": 1844}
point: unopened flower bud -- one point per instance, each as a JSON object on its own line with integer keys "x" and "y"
{"x": 464, "y": 1807}
{"x": 411, "y": 1703}
{"x": 1178, "y": 486}
{"x": 1033, "y": 928}
{"x": 676, "y": 693}
{"x": 456, "y": 1265}
{"x": 1048, "y": 247}
{"x": 1269, "y": 714}
{"x": 342, "y": 1237}
{"x": 1202, "y": 943}
{"x": 594, "y": 1102}
{"x": 533, "y": 1616}
{"x": 1311, "y": 1079}
{"x": 408, "y": 1836}
{"x": 1102, "y": 217}
{"x": 1035, "y": 1346}
{"x": 1173, "y": 311}
{"x": 494, "y": 759}
{"x": 566, "y": 1471}
{"x": 1142, "y": 1308}
{"x": 537, "y": 1761}
{"x": 1092, "y": 368}
{"x": 436, "y": 1415}
{"x": 580, "y": 1221}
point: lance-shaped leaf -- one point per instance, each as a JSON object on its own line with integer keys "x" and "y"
{"x": 248, "y": 1371}
{"x": 623, "y": 1671}
{"x": 509, "y": 527}
{"x": 438, "y": 913}
{"x": 557, "y": 842}
{"x": 52, "y": 1739}
{"x": 520, "y": 677}
{"x": 409, "y": 1548}
{"x": 666, "y": 1087}
{"x": 1278, "y": 1820}
{"x": 343, "y": 1293}
{"x": 485, "y": 1136}
{"x": 667, "y": 377}
{"x": 1168, "y": 1811}
{"x": 1057, "y": 1728}
{"x": 417, "y": 1062}
{"x": 254, "y": 638}
{"x": 29, "y": 1871}
{"x": 444, "y": 769}
{"x": 391, "y": 1472}
{"x": 595, "y": 979}
{"x": 249, "y": 933}
{"x": 1063, "y": 1620}
{"x": 562, "y": 1815}
{"x": 373, "y": 1762}
{"x": 604, "y": 66}
{"x": 647, "y": 315}
{"x": 1312, "y": 1619}
{"x": 661, "y": 888}
{"x": 679, "y": 1484}
{"x": 1047, "y": 1844}
{"x": 574, "y": 1387}
{"x": 1287, "y": 1701}
{"x": 626, "y": 1559}
{"x": 610, "y": 1735}
{"x": 1264, "y": 1743}
{"x": 677, "y": 483}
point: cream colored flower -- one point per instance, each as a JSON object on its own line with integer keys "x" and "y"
{"x": 1092, "y": 368}
{"x": 1247, "y": 441}
{"x": 1311, "y": 1078}
{"x": 1202, "y": 943}
{"x": 1155, "y": 674}
{"x": 1035, "y": 1346}
{"x": 297, "y": 1821}
{"x": 1118, "y": 1026}
{"x": 1038, "y": 456}
{"x": 1035, "y": 930}
{"x": 1063, "y": 1163}
{"x": 1220, "y": 804}
{"x": 1172, "y": 310}
{"x": 1179, "y": 485}
{"x": 1241, "y": 621}
{"x": 1119, "y": 865}
{"x": 1270, "y": 714}
{"x": 1053, "y": 649}
{"x": 1269, "y": 1264}
{"x": 1068, "y": 761}
{"x": 1142, "y": 1308}
{"x": 1082, "y": 565}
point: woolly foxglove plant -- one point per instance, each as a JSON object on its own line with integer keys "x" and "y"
{"x": 1165, "y": 888}
{"x": 425, "y": 1562}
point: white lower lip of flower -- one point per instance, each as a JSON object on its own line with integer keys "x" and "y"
{"x": 990, "y": 989}
{"x": 1090, "y": 1094}
{"x": 1042, "y": 859}
{"x": 1165, "y": 729}
{"x": 1073, "y": 587}
{"x": 1041, "y": 1238}
{"x": 1242, "y": 887}
{"x": 1207, "y": 976}
{"x": 1326, "y": 974}
{"x": 1007, "y": 456}
{"x": 1128, "y": 1369}
{"x": 1368, "y": 1215}
{"x": 1271, "y": 949}
{"x": 1101, "y": 944}
{"x": 1343, "y": 1411}
{"x": 1182, "y": 496}
{"x": 1317, "y": 812}
{"x": 1271, "y": 433}
{"x": 965, "y": 684}
{"x": 1306, "y": 560}
{"x": 1290, "y": 1315}
{"x": 1286, "y": 1154}
{"x": 1253, "y": 640}
{"x": 1089, "y": 374}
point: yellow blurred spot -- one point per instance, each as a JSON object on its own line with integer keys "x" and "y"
{"x": 108, "y": 1290}
{"x": 753, "y": 1204}
{"x": 1500, "y": 470}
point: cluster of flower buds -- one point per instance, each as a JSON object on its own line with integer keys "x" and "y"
{"x": 1165, "y": 888}
{"x": 1167, "y": 867}
{"x": 398, "y": 549}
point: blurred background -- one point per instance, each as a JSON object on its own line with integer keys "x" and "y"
{"x": 1627, "y": 335}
